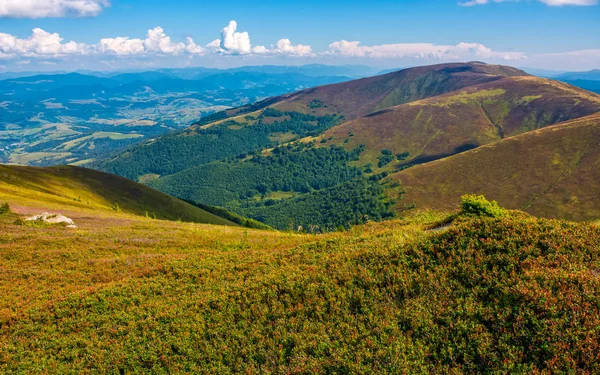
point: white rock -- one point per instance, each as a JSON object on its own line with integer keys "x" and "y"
{"x": 53, "y": 219}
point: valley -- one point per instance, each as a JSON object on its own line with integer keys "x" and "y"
{"x": 78, "y": 118}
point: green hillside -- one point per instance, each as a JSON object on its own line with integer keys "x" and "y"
{"x": 285, "y": 159}
{"x": 551, "y": 172}
{"x": 513, "y": 294}
{"x": 297, "y": 185}
{"x": 282, "y": 119}
{"x": 84, "y": 191}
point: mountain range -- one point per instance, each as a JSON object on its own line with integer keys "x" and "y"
{"x": 387, "y": 259}
{"x": 50, "y": 119}
{"x": 321, "y": 148}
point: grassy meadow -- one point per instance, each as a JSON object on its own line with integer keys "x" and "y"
{"x": 490, "y": 292}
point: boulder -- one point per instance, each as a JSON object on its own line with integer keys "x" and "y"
{"x": 53, "y": 219}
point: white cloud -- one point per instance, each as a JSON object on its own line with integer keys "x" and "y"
{"x": 233, "y": 42}
{"x": 121, "y": 46}
{"x": 193, "y": 48}
{"x": 40, "y": 44}
{"x": 558, "y": 3}
{"x": 573, "y": 60}
{"x": 285, "y": 46}
{"x": 156, "y": 42}
{"x": 44, "y": 44}
{"x": 51, "y": 8}
{"x": 473, "y": 2}
{"x": 260, "y": 50}
{"x": 461, "y": 51}
{"x": 553, "y": 3}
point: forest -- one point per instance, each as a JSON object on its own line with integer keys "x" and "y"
{"x": 299, "y": 168}
{"x": 196, "y": 146}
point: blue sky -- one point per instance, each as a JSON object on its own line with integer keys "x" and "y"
{"x": 548, "y": 34}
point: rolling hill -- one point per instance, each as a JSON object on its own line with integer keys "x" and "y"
{"x": 125, "y": 294}
{"x": 429, "y": 112}
{"x": 293, "y": 116}
{"x": 276, "y": 160}
{"x": 551, "y": 172}
{"x": 83, "y": 192}
{"x": 454, "y": 122}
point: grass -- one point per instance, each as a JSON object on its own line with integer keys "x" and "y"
{"x": 450, "y": 123}
{"x": 36, "y": 156}
{"x": 80, "y": 192}
{"x": 551, "y": 172}
{"x": 512, "y": 294}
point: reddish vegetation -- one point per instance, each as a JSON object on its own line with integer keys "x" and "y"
{"x": 444, "y": 125}
{"x": 363, "y": 96}
{"x": 552, "y": 172}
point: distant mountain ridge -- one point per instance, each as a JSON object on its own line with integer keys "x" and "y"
{"x": 592, "y": 75}
{"x": 54, "y": 119}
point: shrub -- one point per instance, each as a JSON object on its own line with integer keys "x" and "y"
{"x": 479, "y": 206}
{"x": 402, "y": 156}
{"x": 4, "y": 209}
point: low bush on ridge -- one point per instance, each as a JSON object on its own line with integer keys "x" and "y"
{"x": 477, "y": 205}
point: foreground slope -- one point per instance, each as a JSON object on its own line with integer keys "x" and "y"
{"x": 552, "y": 172}
{"x": 509, "y": 295}
{"x": 447, "y": 124}
{"x": 82, "y": 191}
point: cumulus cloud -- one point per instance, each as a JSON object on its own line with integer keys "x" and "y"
{"x": 234, "y": 42}
{"x": 428, "y": 51}
{"x": 40, "y": 44}
{"x": 51, "y": 8}
{"x": 45, "y": 45}
{"x": 156, "y": 42}
{"x": 554, "y": 3}
{"x": 121, "y": 46}
{"x": 285, "y": 46}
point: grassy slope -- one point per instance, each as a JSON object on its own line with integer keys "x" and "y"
{"x": 552, "y": 172}
{"x": 82, "y": 191}
{"x": 433, "y": 128}
{"x": 363, "y": 96}
{"x": 348, "y": 99}
{"x": 511, "y": 295}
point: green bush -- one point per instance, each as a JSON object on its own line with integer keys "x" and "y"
{"x": 479, "y": 206}
{"x": 4, "y": 209}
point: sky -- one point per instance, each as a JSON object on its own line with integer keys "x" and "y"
{"x": 54, "y": 35}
